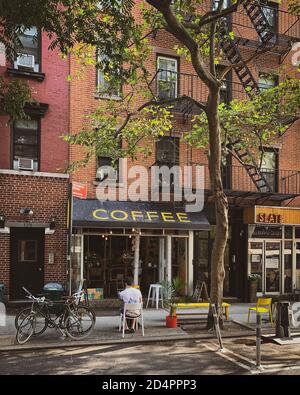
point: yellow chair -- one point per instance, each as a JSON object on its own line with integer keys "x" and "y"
{"x": 263, "y": 305}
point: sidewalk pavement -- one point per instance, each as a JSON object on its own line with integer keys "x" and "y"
{"x": 106, "y": 330}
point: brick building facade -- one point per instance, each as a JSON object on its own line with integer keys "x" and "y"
{"x": 278, "y": 183}
{"x": 153, "y": 242}
{"x": 33, "y": 181}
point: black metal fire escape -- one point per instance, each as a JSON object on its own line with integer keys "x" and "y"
{"x": 230, "y": 47}
{"x": 233, "y": 54}
{"x": 256, "y": 14}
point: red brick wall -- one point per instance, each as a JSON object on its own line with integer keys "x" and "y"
{"x": 83, "y": 101}
{"x": 54, "y": 91}
{"x": 47, "y": 197}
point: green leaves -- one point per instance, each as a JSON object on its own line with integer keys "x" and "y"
{"x": 117, "y": 130}
{"x": 253, "y": 122}
{"x": 14, "y": 94}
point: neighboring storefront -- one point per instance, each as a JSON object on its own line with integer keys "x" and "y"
{"x": 151, "y": 242}
{"x": 33, "y": 231}
{"x": 235, "y": 256}
{"x": 274, "y": 248}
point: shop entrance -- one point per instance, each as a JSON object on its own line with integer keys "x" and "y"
{"x": 108, "y": 260}
{"x": 272, "y": 261}
{"x": 151, "y": 262}
{"x": 27, "y": 261}
{"x": 105, "y": 260}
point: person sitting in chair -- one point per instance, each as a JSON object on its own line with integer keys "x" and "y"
{"x": 130, "y": 295}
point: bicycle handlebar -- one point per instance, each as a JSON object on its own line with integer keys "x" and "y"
{"x": 76, "y": 296}
{"x": 26, "y": 290}
{"x": 30, "y": 296}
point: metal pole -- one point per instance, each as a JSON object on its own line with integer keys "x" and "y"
{"x": 217, "y": 327}
{"x": 69, "y": 239}
{"x": 136, "y": 259}
{"x": 258, "y": 341}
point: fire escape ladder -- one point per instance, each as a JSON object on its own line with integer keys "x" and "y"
{"x": 251, "y": 168}
{"x": 234, "y": 56}
{"x": 249, "y": 83}
{"x": 187, "y": 109}
{"x": 255, "y": 12}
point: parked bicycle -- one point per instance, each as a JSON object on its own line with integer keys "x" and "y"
{"x": 69, "y": 316}
{"x": 81, "y": 297}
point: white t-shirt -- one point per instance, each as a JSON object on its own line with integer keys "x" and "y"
{"x": 131, "y": 295}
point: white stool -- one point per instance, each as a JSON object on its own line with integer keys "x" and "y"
{"x": 155, "y": 294}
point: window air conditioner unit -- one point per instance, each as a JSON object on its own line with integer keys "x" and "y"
{"x": 25, "y": 164}
{"x": 106, "y": 173}
{"x": 25, "y": 61}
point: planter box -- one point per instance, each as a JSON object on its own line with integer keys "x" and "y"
{"x": 171, "y": 322}
{"x": 252, "y": 291}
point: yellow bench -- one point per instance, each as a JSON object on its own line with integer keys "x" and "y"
{"x": 201, "y": 305}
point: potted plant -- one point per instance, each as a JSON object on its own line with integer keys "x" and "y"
{"x": 253, "y": 285}
{"x": 171, "y": 293}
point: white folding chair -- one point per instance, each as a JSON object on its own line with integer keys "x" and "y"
{"x": 134, "y": 307}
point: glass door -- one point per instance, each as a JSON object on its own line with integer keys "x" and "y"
{"x": 297, "y": 264}
{"x": 256, "y": 252}
{"x": 272, "y": 266}
{"x": 288, "y": 267}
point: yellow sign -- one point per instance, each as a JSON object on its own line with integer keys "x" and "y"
{"x": 269, "y": 218}
{"x": 139, "y": 216}
{"x": 272, "y": 215}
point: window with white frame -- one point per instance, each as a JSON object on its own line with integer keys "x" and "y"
{"x": 269, "y": 167}
{"x": 167, "y": 154}
{"x": 167, "y": 77}
{"x": 270, "y": 13}
{"x": 28, "y": 53}
{"x": 215, "y": 4}
{"x": 267, "y": 81}
{"x": 105, "y": 87}
{"x": 106, "y": 170}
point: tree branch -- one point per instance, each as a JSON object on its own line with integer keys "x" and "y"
{"x": 181, "y": 33}
{"x": 213, "y": 16}
{"x": 154, "y": 102}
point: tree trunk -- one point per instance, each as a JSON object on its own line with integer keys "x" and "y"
{"x": 221, "y": 206}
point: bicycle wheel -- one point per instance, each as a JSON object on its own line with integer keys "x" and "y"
{"x": 79, "y": 323}
{"x": 92, "y": 311}
{"x": 41, "y": 321}
{"x": 26, "y": 329}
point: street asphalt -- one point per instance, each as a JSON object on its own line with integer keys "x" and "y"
{"x": 190, "y": 357}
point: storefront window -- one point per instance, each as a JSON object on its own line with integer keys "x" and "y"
{"x": 266, "y": 232}
{"x": 108, "y": 260}
{"x": 272, "y": 265}
{"x": 288, "y": 232}
{"x": 256, "y": 261}
{"x": 76, "y": 261}
{"x": 201, "y": 259}
{"x": 298, "y": 265}
{"x": 288, "y": 266}
{"x": 179, "y": 260}
{"x": 149, "y": 262}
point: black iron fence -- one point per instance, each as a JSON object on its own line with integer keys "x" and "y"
{"x": 236, "y": 178}
{"x": 284, "y": 24}
{"x": 168, "y": 85}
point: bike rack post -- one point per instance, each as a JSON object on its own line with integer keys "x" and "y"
{"x": 217, "y": 327}
{"x": 258, "y": 341}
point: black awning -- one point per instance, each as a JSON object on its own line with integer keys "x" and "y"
{"x": 117, "y": 214}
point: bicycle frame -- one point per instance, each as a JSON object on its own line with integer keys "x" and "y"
{"x": 41, "y": 306}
